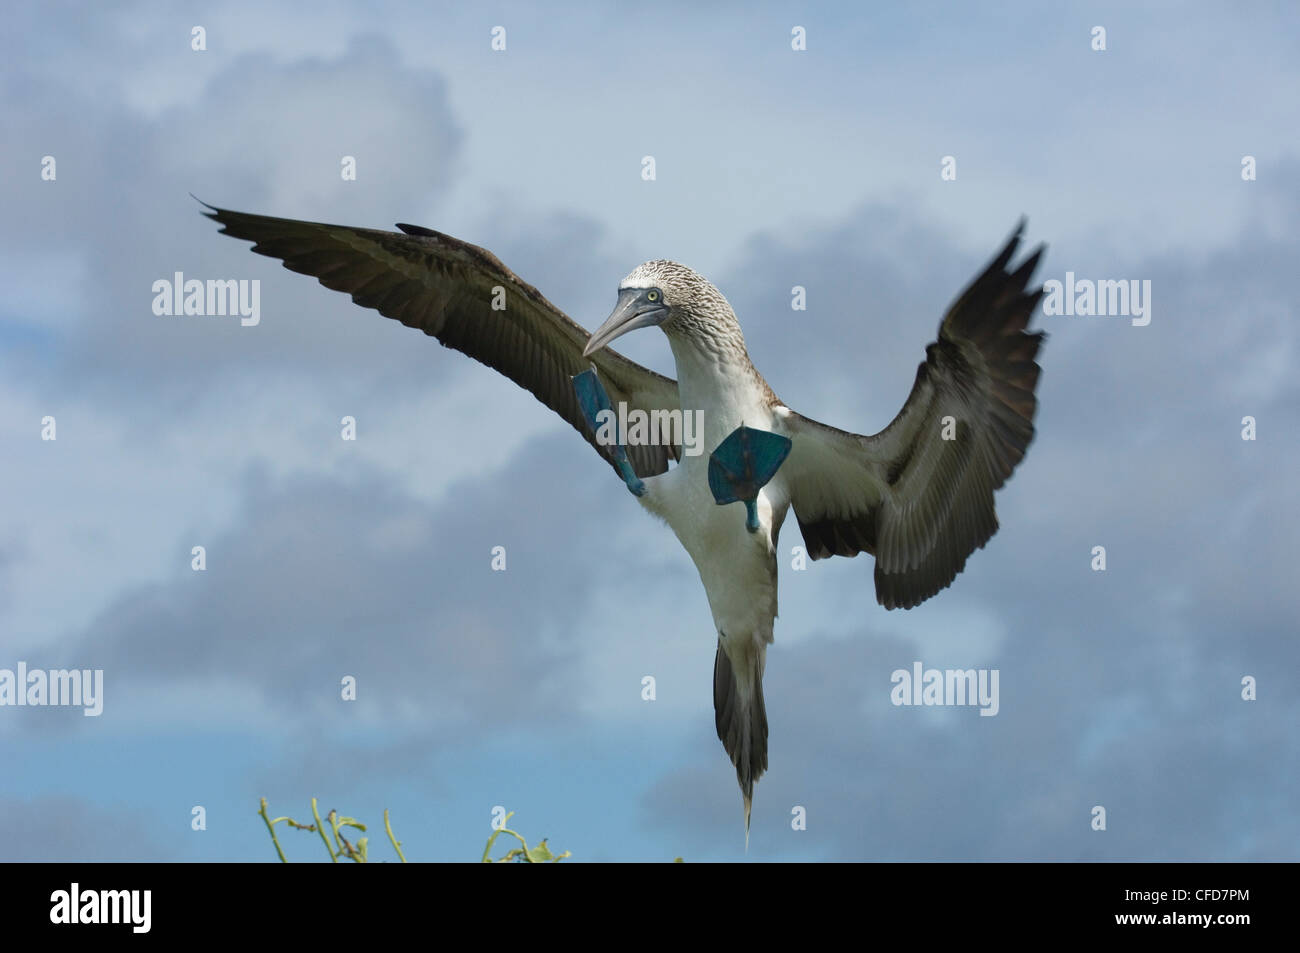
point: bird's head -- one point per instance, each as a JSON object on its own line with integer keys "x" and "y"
{"x": 671, "y": 296}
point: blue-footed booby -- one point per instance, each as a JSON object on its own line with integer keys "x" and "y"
{"x": 918, "y": 496}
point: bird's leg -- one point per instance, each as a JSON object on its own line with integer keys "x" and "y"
{"x": 743, "y": 464}
{"x": 594, "y": 403}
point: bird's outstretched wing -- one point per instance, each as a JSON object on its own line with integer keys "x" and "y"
{"x": 447, "y": 288}
{"x": 919, "y": 494}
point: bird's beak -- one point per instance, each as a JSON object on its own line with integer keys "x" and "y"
{"x": 632, "y": 311}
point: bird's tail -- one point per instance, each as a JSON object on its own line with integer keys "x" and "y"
{"x": 740, "y": 715}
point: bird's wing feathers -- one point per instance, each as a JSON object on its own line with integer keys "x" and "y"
{"x": 446, "y": 288}
{"x": 917, "y": 501}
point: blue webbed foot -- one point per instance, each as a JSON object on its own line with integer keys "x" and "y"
{"x": 743, "y": 464}
{"x": 593, "y": 400}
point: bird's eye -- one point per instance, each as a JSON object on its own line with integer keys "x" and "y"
{"x": 652, "y": 295}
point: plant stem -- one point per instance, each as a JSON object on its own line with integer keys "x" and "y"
{"x": 315, "y": 812}
{"x": 397, "y": 845}
{"x": 271, "y": 827}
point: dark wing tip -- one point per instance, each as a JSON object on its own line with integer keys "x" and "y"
{"x": 1009, "y": 249}
{"x": 213, "y": 212}
{"x": 419, "y": 230}
{"x": 1021, "y": 276}
{"x": 222, "y": 216}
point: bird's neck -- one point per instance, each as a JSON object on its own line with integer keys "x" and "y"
{"x": 720, "y": 383}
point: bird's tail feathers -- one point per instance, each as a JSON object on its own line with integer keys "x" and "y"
{"x": 740, "y": 713}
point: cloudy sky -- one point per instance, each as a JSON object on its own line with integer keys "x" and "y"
{"x": 774, "y": 168}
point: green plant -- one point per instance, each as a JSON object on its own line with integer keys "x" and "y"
{"x": 341, "y": 846}
{"x": 523, "y": 854}
{"x": 332, "y": 834}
